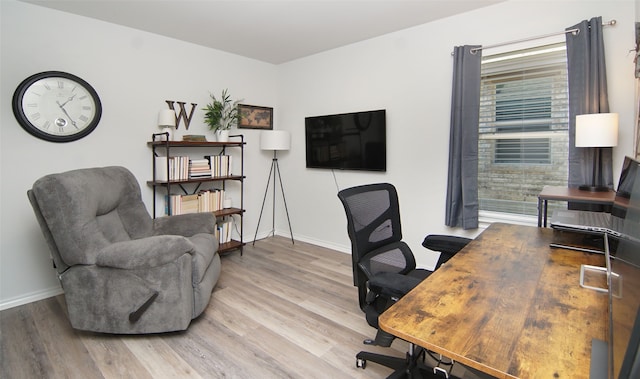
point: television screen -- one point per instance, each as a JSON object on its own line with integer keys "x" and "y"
{"x": 348, "y": 141}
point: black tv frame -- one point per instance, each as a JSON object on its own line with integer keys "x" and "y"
{"x": 347, "y": 141}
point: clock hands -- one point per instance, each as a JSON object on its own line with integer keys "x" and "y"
{"x": 65, "y": 111}
{"x": 65, "y": 103}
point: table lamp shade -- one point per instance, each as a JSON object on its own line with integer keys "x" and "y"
{"x": 597, "y": 130}
{"x": 275, "y": 140}
{"x": 166, "y": 118}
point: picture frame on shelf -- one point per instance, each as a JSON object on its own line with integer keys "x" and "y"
{"x": 255, "y": 117}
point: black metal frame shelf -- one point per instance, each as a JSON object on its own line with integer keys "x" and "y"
{"x": 167, "y": 145}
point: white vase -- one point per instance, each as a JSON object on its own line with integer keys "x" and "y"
{"x": 222, "y": 135}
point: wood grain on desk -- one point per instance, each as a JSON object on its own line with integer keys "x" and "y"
{"x": 507, "y": 305}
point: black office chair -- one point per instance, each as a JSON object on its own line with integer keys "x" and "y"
{"x": 384, "y": 268}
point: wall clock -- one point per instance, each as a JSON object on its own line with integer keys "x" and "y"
{"x": 57, "y": 106}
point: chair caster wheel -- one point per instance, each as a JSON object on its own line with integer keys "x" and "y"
{"x": 361, "y": 363}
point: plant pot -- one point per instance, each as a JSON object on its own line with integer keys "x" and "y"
{"x": 222, "y": 135}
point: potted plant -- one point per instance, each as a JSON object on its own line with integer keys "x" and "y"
{"x": 221, "y": 114}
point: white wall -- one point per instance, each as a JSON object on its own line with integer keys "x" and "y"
{"x": 134, "y": 73}
{"x": 408, "y": 73}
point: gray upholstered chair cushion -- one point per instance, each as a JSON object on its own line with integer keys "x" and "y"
{"x": 121, "y": 270}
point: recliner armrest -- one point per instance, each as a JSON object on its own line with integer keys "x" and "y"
{"x": 145, "y": 252}
{"x": 185, "y": 225}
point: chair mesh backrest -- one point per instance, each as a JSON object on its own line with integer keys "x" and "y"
{"x": 373, "y": 217}
{"x": 88, "y": 209}
{"x": 390, "y": 261}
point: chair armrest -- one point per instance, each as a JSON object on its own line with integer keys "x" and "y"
{"x": 144, "y": 252}
{"x": 392, "y": 285}
{"x": 447, "y": 245}
{"x": 185, "y": 225}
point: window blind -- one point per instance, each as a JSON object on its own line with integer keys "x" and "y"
{"x": 523, "y": 129}
{"x": 523, "y": 101}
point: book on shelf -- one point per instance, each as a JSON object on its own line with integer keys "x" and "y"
{"x": 220, "y": 165}
{"x": 224, "y": 229}
{"x": 161, "y": 175}
{"x": 199, "y": 168}
{"x": 203, "y": 201}
{"x": 177, "y": 168}
{"x": 189, "y": 204}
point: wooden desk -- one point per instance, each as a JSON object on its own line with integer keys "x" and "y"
{"x": 569, "y": 194}
{"x": 507, "y": 305}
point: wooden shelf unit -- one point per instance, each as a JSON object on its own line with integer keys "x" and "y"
{"x": 236, "y": 141}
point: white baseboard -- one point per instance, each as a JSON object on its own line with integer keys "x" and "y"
{"x": 31, "y": 297}
{"x": 301, "y": 238}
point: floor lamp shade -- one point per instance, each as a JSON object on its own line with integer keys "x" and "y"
{"x": 597, "y": 130}
{"x": 275, "y": 140}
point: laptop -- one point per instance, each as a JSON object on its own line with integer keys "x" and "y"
{"x": 601, "y": 222}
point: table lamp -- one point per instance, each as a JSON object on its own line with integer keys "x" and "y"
{"x": 274, "y": 140}
{"x": 596, "y": 131}
{"x": 167, "y": 121}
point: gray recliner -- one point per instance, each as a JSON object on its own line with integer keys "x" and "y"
{"x": 121, "y": 270}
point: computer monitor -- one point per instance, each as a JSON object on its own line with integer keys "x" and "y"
{"x": 624, "y": 291}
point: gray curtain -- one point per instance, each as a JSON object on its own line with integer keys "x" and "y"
{"x": 462, "y": 184}
{"x": 587, "y": 94}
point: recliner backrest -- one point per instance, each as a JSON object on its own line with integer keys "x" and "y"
{"x": 88, "y": 209}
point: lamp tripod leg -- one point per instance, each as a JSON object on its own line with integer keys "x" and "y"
{"x": 263, "y": 201}
{"x": 284, "y": 200}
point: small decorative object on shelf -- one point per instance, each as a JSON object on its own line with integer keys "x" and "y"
{"x": 167, "y": 122}
{"x": 174, "y": 170}
{"x": 221, "y": 114}
{"x": 194, "y": 138}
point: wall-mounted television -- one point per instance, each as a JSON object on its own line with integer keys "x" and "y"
{"x": 347, "y": 141}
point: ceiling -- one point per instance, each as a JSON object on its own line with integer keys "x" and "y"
{"x": 267, "y": 30}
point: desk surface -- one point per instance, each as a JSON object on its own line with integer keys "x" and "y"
{"x": 569, "y": 194}
{"x": 577, "y": 195}
{"x": 507, "y": 305}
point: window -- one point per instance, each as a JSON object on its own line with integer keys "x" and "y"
{"x": 523, "y": 136}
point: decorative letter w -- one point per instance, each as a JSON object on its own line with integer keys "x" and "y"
{"x": 183, "y": 113}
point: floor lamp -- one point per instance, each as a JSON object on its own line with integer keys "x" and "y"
{"x": 596, "y": 130}
{"x": 274, "y": 140}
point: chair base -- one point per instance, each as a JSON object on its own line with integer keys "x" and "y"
{"x": 410, "y": 367}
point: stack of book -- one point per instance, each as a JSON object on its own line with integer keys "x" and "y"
{"x": 203, "y": 201}
{"x": 183, "y": 204}
{"x": 199, "y": 168}
{"x": 178, "y": 168}
{"x": 211, "y": 200}
{"x": 224, "y": 229}
{"x": 220, "y": 165}
{"x": 194, "y": 138}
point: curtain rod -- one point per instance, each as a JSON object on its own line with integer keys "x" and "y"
{"x": 573, "y": 31}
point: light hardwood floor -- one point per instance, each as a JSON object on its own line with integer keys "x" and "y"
{"x": 278, "y": 311}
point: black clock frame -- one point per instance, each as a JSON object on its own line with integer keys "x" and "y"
{"x": 32, "y": 129}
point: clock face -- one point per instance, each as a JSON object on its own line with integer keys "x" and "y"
{"x": 57, "y": 106}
